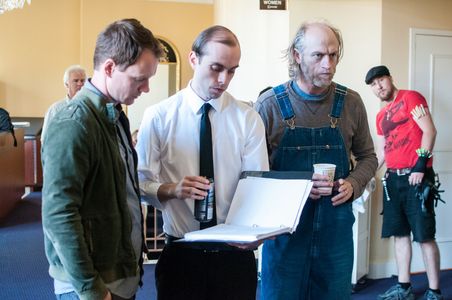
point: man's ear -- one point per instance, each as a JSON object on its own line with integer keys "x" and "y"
{"x": 297, "y": 56}
{"x": 193, "y": 59}
{"x": 109, "y": 67}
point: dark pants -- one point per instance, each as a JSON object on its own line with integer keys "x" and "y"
{"x": 184, "y": 273}
{"x": 404, "y": 212}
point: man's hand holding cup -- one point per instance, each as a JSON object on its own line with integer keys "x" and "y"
{"x": 323, "y": 180}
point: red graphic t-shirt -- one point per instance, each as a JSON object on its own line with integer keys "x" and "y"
{"x": 402, "y": 135}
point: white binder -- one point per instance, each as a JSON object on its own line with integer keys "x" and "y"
{"x": 261, "y": 208}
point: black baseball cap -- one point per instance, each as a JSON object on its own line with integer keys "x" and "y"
{"x": 375, "y": 72}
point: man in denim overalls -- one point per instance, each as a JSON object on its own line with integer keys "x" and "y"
{"x": 310, "y": 119}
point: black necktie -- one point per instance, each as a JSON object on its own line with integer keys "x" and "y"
{"x": 206, "y": 156}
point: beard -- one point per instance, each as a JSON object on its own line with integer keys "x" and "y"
{"x": 310, "y": 77}
{"x": 387, "y": 95}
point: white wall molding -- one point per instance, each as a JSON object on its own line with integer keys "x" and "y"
{"x": 382, "y": 270}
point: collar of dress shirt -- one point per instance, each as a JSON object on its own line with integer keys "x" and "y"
{"x": 195, "y": 102}
{"x": 111, "y": 110}
{"x": 94, "y": 89}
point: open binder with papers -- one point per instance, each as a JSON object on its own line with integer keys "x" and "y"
{"x": 262, "y": 207}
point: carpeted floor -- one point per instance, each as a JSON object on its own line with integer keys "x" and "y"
{"x": 419, "y": 282}
{"x": 23, "y": 265}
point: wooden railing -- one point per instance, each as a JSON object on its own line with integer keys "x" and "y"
{"x": 154, "y": 236}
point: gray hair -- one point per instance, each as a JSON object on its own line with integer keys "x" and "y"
{"x": 72, "y": 69}
{"x": 298, "y": 44}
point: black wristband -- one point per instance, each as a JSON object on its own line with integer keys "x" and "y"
{"x": 420, "y": 165}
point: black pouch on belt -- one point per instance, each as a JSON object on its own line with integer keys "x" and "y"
{"x": 429, "y": 194}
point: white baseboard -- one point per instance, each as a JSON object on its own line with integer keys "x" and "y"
{"x": 382, "y": 270}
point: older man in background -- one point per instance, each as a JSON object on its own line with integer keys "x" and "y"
{"x": 74, "y": 78}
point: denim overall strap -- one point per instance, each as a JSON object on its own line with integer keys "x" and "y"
{"x": 339, "y": 95}
{"x": 284, "y": 105}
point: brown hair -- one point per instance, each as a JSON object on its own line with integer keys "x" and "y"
{"x": 123, "y": 41}
{"x": 217, "y": 33}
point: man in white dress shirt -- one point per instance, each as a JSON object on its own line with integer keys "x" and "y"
{"x": 168, "y": 165}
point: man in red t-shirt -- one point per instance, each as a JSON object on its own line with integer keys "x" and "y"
{"x": 405, "y": 139}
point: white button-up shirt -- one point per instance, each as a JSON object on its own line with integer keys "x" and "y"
{"x": 168, "y": 150}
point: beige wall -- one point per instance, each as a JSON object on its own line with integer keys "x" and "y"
{"x": 40, "y": 41}
{"x": 36, "y": 45}
{"x": 179, "y": 23}
{"x": 262, "y": 40}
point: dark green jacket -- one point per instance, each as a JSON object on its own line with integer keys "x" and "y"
{"x": 86, "y": 221}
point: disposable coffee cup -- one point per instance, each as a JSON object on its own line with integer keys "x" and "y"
{"x": 325, "y": 169}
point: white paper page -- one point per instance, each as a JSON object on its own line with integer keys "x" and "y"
{"x": 233, "y": 233}
{"x": 305, "y": 196}
{"x": 268, "y": 202}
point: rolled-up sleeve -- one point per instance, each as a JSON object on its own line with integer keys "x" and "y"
{"x": 149, "y": 163}
{"x": 255, "y": 156}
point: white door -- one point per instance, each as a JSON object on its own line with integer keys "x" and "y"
{"x": 431, "y": 75}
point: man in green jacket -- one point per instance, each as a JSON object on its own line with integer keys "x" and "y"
{"x": 91, "y": 205}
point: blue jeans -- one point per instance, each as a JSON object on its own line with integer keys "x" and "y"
{"x": 315, "y": 262}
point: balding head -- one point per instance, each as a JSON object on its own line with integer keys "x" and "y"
{"x": 299, "y": 42}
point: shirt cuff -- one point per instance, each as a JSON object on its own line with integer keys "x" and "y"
{"x": 148, "y": 191}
